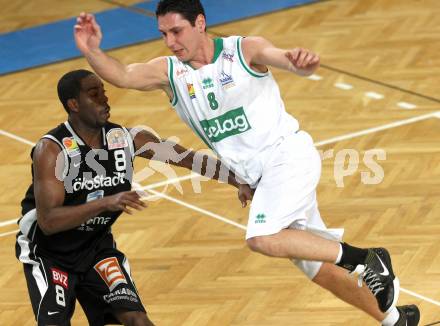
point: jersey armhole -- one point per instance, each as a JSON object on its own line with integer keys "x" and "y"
{"x": 245, "y": 65}
{"x": 171, "y": 79}
{"x": 66, "y": 157}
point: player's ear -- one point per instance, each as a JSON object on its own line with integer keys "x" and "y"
{"x": 201, "y": 23}
{"x": 73, "y": 105}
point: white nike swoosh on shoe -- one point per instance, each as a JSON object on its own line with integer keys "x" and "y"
{"x": 385, "y": 270}
{"x": 52, "y": 312}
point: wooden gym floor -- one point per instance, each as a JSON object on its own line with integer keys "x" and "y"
{"x": 377, "y": 89}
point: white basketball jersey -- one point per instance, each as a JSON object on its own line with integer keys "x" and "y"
{"x": 235, "y": 110}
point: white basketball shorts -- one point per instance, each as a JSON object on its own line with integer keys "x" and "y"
{"x": 286, "y": 194}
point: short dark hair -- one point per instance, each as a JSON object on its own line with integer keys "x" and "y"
{"x": 69, "y": 86}
{"x": 189, "y": 9}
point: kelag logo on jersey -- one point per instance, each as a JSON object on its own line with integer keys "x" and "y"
{"x": 231, "y": 123}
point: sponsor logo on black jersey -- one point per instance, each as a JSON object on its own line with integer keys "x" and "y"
{"x": 71, "y": 146}
{"x": 98, "y": 181}
{"x": 116, "y": 138}
{"x": 60, "y": 277}
{"x": 110, "y": 272}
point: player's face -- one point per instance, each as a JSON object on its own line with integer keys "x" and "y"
{"x": 93, "y": 103}
{"x": 180, "y": 36}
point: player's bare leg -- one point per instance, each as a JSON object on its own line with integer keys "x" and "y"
{"x": 371, "y": 265}
{"x": 339, "y": 282}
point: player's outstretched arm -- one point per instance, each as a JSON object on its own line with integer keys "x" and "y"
{"x": 151, "y": 147}
{"x": 141, "y": 76}
{"x": 260, "y": 52}
{"x": 52, "y": 216}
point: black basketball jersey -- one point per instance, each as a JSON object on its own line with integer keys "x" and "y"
{"x": 88, "y": 174}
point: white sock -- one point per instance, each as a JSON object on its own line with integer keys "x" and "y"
{"x": 338, "y": 259}
{"x": 392, "y": 318}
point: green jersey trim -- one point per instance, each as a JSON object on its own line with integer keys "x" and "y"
{"x": 171, "y": 79}
{"x": 218, "y": 48}
{"x": 245, "y": 65}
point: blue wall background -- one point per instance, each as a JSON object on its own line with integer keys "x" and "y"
{"x": 49, "y": 43}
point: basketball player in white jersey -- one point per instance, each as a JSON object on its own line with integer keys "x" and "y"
{"x": 222, "y": 89}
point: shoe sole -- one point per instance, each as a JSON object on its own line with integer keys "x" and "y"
{"x": 396, "y": 284}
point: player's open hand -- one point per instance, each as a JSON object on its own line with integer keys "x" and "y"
{"x": 125, "y": 200}
{"x": 87, "y": 33}
{"x": 245, "y": 193}
{"x": 304, "y": 61}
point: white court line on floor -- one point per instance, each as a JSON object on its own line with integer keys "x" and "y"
{"x": 18, "y": 138}
{"x": 8, "y": 233}
{"x": 437, "y": 303}
{"x": 380, "y": 128}
{"x": 406, "y": 105}
{"x": 343, "y": 86}
{"x": 374, "y": 95}
{"x": 197, "y": 209}
{"x": 171, "y": 181}
{"x": 8, "y": 222}
{"x": 314, "y": 77}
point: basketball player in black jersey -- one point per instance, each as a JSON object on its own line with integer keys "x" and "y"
{"x": 82, "y": 174}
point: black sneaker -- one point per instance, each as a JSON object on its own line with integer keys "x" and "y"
{"x": 377, "y": 273}
{"x": 408, "y": 316}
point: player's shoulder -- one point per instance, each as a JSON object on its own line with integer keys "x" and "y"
{"x": 230, "y": 41}
{"x": 159, "y": 62}
{"x": 45, "y": 148}
{"x": 50, "y": 142}
{"x": 253, "y": 41}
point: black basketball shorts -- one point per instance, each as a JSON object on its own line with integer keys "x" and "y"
{"x": 106, "y": 287}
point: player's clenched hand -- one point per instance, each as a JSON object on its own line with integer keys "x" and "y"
{"x": 123, "y": 200}
{"x": 303, "y": 60}
{"x": 87, "y": 33}
{"x": 245, "y": 193}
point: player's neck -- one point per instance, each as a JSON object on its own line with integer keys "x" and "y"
{"x": 92, "y": 136}
{"x": 204, "y": 54}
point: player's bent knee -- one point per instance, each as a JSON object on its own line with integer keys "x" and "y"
{"x": 254, "y": 243}
{"x": 261, "y": 244}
